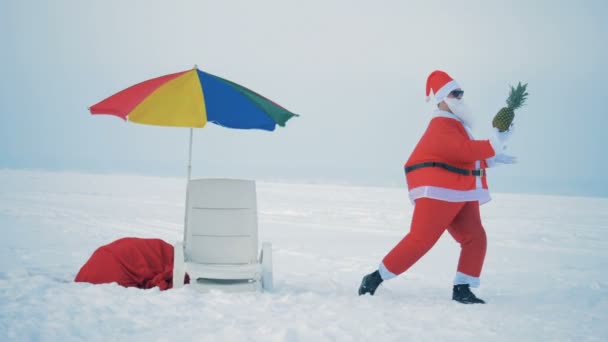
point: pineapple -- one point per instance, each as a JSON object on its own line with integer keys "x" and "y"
{"x": 516, "y": 99}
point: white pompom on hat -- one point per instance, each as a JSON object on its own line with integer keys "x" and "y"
{"x": 441, "y": 84}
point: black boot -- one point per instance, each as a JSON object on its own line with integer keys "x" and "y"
{"x": 463, "y": 294}
{"x": 370, "y": 283}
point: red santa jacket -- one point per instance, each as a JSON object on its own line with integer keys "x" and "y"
{"x": 447, "y": 140}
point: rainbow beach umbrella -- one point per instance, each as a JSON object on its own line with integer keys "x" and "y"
{"x": 192, "y": 98}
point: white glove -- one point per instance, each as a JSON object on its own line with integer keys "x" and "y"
{"x": 501, "y": 158}
{"x": 500, "y": 139}
{"x": 505, "y": 159}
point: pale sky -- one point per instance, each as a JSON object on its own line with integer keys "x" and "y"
{"x": 354, "y": 70}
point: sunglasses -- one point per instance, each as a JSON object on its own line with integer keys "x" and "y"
{"x": 457, "y": 93}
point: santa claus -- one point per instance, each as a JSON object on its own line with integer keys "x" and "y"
{"x": 446, "y": 178}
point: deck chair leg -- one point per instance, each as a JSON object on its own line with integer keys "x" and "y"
{"x": 179, "y": 266}
{"x": 266, "y": 260}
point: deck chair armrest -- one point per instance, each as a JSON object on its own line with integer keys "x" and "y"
{"x": 179, "y": 266}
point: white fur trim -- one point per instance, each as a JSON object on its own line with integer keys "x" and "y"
{"x": 478, "y": 184}
{"x": 496, "y": 145}
{"x": 450, "y": 195}
{"x": 462, "y": 278}
{"x": 491, "y": 162}
{"x": 428, "y": 99}
{"x": 445, "y": 90}
{"x": 385, "y": 273}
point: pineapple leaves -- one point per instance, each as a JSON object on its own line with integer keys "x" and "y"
{"x": 517, "y": 96}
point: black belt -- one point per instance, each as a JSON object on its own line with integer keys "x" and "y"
{"x": 465, "y": 172}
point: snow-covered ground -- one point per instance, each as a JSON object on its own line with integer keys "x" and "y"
{"x": 545, "y": 277}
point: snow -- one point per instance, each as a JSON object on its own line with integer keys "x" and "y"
{"x": 545, "y": 277}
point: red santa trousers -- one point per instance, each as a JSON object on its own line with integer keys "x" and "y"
{"x": 431, "y": 218}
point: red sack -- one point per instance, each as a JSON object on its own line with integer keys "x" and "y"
{"x": 131, "y": 262}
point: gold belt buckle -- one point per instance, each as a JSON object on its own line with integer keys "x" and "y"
{"x": 482, "y": 172}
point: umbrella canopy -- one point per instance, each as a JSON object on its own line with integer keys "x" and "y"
{"x": 192, "y": 98}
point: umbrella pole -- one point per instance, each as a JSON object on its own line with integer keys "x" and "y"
{"x": 190, "y": 156}
{"x": 188, "y": 181}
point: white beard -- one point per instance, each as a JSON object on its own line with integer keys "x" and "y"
{"x": 461, "y": 110}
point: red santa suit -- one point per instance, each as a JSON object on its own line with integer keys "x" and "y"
{"x": 448, "y": 141}
{"x": 444, "y": 197}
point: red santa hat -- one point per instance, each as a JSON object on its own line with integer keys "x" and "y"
{"x": 441, "y": 84}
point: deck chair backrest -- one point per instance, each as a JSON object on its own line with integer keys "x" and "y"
{"x": 221, "y": 226}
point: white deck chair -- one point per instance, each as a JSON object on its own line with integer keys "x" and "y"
{"x": 220, "y": 247}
